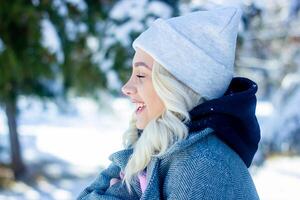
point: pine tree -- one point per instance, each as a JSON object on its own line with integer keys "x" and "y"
{"x": 29, "y": 68}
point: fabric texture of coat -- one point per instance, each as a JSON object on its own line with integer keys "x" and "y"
{"x": 209, "y": 164}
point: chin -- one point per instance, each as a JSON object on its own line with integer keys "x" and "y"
{"x": 140, "y": 125}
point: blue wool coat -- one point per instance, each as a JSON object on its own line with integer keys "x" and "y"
{"x": 202, "y": 167}
{"x": 209, "y": 164}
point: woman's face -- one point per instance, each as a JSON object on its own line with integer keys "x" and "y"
{"x": 141, "y": 91}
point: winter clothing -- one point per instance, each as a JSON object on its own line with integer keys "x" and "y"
{"x": 232, "y": 116}
{"x": 143, "y": 180}
{"x": 198, "y": 48}
{"x": 211, "y": 163}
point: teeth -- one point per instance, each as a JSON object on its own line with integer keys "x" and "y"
{"x": 139, "y": 105}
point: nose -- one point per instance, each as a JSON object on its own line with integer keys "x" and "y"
{"x": 128, "y": 89}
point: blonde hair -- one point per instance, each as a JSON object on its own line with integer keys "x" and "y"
{"x": 160, "y": 133}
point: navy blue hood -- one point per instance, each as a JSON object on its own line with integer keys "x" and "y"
{"x": 233, "y": 118}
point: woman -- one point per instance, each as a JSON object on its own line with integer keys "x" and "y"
{"x": 194, "y": 132}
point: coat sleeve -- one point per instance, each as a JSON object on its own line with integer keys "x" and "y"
{"x": 99, "y": 189}
{"x": 199, "y": 178}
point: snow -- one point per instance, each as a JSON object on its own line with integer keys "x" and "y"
{"x": 93, "y": 43}
{"x": 71, "y": 29}
{"x": 50, "y": 39}
{"x": 61, "y": 7}
{"x": 113, "y": 81}
{"x": 282, "y": 118}
{"x": 82, "y": 129}
{"x": 160, "y": 9}
{"x": 264, "y": 109}
{"x": 278, "y": 179}
{"x": 122, "y": 32}
{"x": 138, "y": 10}
{"x": 66, "y": 150}
{"x": 124, "y": 9}
{"x": 188, "y": 6}
{"x": 134, "y": 12}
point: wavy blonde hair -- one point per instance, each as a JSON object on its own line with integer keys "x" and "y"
{"x": 163, "y": 131}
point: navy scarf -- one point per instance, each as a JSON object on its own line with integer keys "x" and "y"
{"x": 232, "y": 117}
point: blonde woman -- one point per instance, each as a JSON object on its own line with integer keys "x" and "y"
{"x": 194, "y": 132}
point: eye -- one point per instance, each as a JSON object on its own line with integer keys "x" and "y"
{"x": 140, "y": 76}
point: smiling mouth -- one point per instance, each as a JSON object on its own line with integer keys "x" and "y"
{"x": 140, "y": 109}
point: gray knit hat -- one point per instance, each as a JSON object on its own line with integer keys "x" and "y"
{"x": 198, "y": 48}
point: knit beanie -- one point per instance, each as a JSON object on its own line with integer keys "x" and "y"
{"x": 198, "y": 48}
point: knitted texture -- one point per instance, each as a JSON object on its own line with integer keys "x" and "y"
{"x": 200, "y": 167}
{"x": 198, "y": 48}
{"x": 211, "y": 163}
{"x": 233, "y": 118}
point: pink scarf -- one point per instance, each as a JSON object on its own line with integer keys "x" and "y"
{"x": 142, "y": 178}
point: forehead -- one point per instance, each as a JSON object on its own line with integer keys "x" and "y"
{"x": 141, "y": 58}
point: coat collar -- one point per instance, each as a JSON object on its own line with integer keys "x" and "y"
{"x": 121, "y": 157}
{"x": 192, "y": 138}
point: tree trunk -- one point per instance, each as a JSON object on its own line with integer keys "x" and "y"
{"x": 17, "y": 164}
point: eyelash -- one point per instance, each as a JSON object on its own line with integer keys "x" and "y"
{"x": 140, "y": 76}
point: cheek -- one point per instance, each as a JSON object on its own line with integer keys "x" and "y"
{"x": 147, "y": 92}
{"x": 153, "y": 100}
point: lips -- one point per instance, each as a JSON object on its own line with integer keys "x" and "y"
{"x": 140, "y": 109}
{"x": 140, "y": 106}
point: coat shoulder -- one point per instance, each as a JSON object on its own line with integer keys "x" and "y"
{"x": 210, "y": 147}
{"x": 213, "y": 163}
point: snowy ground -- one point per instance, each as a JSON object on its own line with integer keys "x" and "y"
{"x": 64, "y": 152}
{"x": 278, "y": 179}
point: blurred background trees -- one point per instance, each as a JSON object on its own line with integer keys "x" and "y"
{"x": 29, "y": 65}
{"x": 61, "y": 49}
{"x": 56, "y": 49}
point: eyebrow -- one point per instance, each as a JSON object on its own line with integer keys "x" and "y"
{"x": 137, "y": 64}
